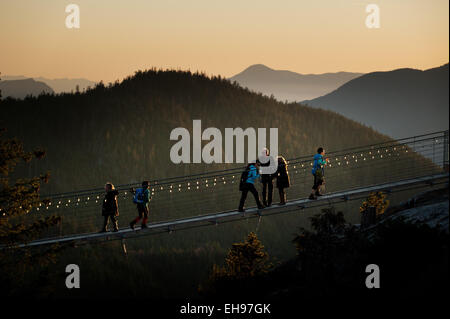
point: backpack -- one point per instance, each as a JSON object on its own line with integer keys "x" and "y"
{"x": 243, "y": 179}
{"x": 139, "y": 196}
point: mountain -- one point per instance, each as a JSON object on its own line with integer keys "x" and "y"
{"x": 58, "y": 85}
{"x": 21, "y": 88}
{"x": 398, "y": 103}
{"x": 121, "y": 132}
{"x": 290, "y": 86}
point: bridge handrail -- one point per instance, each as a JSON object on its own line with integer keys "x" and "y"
{"x": 230, "y": 171}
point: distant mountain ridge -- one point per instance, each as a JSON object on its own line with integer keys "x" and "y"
{"x": 21, "y": 88}
{"x": 58, "y": 85}
{"x": 125, "y": 128}
{"x": 288, "y": 85}
{"x": 398, "y": 103}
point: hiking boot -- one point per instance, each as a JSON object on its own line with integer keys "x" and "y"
{"x": 132, "y": 225}
{"x": 312, "y": 197}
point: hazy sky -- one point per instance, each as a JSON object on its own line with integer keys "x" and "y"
{"x": 219, "y": 37}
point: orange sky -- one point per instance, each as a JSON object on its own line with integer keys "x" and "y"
{"x": 219, "y": 37}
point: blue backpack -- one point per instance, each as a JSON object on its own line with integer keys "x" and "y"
{"x": 243, "y": 179}
{"x": 139, "y": 196}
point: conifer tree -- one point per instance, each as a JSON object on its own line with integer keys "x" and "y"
{"x": 244, "y": 260}
{"x": 377, "y": 200}
{"x": 17, "y": 227}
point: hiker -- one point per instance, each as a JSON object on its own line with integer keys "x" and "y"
{"x": 283, "y": 180}
{"x": 267, "y": 181}
{"x": 318, "y": 172}
{"x": 110, "y": 208}
{"x": 141, "y": 199}
{"x": 247, "y": 184}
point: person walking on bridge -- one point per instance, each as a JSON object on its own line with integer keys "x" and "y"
{"x": 110, "y": 208}
{"x": 267, "y": 181}
{"x": 141, "y": 199}
{"x": 318, "y": 172}
{"x": 283, "y": 180}
{"x": 247, "y": 184}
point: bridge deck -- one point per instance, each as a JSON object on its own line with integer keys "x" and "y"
{"x": 216, "y": 218}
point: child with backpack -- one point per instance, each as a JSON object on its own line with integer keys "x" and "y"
{"x": 247, "y": 184}
{"x": 318, "y": 173}
{"x": 141, "y": 199}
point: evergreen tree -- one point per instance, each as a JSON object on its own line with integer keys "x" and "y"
{"x": 17, "y": 199}
{"x": 377, "y": 200}
{"x": 245, "y": 261}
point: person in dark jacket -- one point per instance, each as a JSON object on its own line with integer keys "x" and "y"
{"x": 318, "y": 172}
{"x": 249, "y": 186}
{"x": 283, "y": 180}
{"x": 142, "y": 200}
{"x": 110, "y": 208}
{"x": 267, "y": 182}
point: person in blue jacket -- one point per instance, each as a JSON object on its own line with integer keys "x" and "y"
{"x": 142, "y": 200}
{"x": 318, "y": 172}
{"x": 249, "y": 186}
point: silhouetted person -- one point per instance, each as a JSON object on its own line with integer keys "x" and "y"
{"x": 318, "y": 172}
{"x": 141, "y": 199}
{"x": 110, "y": 208}
{"x": 267, "y": 182}
{"x": 248, "y": 185}
{"x": 283, "y": 180}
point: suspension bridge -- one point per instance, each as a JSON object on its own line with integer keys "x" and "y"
{"x": 211, "y": 198}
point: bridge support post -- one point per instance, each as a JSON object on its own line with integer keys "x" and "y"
{"x": 60, "y": 228}
{"x": 445, "y": 159}
{"x": 257, "y": 225}
{"x": 124, "y": 247}
{"x": 368, "y": 217}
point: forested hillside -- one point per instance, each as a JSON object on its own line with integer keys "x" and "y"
{"x": 120, "y": 132}
{"x": 398, "y": 103}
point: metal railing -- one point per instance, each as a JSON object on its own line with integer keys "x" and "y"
{"x": 216, "y": 191}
